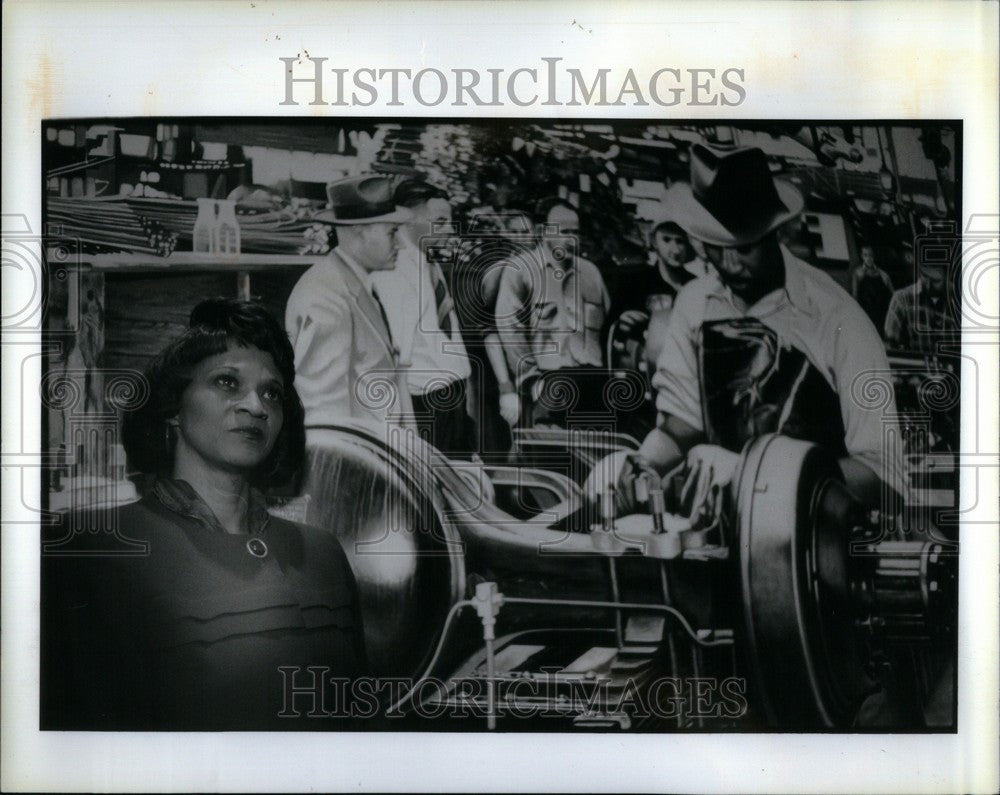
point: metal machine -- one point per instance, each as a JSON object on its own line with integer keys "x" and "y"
{"x": 794, "y": 610}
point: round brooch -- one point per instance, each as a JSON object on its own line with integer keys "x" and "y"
{"x": 256, "y": 547}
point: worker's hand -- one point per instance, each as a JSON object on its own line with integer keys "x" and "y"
{"x": 618, "y": 470}
{"x": 510, "y": 408}
{"x": 632, "y": 320}
{"x": 711, "y": 471}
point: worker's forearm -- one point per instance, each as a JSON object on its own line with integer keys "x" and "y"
{"x": 669, "y": 442}
{"x": 660, "y": 450}
{"x": 494, "y": 352}
{"x": 862, "y": 482}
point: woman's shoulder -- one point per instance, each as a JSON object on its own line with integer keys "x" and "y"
{"x": 98, "y": 529}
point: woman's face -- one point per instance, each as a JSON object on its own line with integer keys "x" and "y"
{"x": 232, "y": 411}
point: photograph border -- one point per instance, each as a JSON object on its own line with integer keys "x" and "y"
{"x": 39, "y": 85}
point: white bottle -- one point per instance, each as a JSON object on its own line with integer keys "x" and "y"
{"x": 228, "y": 228}
{"x": 203, "y": 237}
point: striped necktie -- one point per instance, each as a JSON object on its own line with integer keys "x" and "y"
{"x": 443, "y": 299}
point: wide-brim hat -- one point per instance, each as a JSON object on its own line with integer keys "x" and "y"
{"x": 366, "y": 199}
{"x": 732, "y": 199}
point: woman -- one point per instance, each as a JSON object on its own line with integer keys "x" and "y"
{"x": 233, "y": 618}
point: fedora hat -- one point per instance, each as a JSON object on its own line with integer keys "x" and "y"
{"x": 366, "y": 199}
{"x": 411, "y": 192}
{"x": 732, "y": 199}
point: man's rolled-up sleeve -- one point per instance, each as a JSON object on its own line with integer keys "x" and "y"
{"x": 867, "y": 401}
{"x": 513, "y": 297}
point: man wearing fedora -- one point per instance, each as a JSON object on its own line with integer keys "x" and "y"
{"x": 766, "y": 343}
{"x": 346, "y": 361}
{"x": 422, "y": 318}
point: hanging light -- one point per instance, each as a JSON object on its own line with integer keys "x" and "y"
{"x": 885, "y": 178}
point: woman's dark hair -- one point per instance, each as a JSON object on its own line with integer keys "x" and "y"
{"x": 215, "y": 324}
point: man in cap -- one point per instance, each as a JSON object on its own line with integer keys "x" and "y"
{"x": 345, "y": 356}
{"x": 766, "y": 343}
{"x": 550, "y": 309}
{"x": 675, "y": 263}
{"x": 919, "y": 316}
{"x": 652, "y": 291}
{"x": 423, "y": 321}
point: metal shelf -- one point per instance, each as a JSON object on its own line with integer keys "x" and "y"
{"x": 186, "y": 261}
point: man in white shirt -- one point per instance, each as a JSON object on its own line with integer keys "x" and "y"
{"x": 808, "y": 348}
{"x": 346, "y": 360}
{"x": 550, "y": 310}
{"x": 421, "y": 312}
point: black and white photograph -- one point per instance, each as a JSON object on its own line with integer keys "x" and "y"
{"x": 500, "y": 411}
{"x": 521, "y": 426}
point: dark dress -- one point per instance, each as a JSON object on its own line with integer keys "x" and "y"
{"x": 203, "y": 632}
